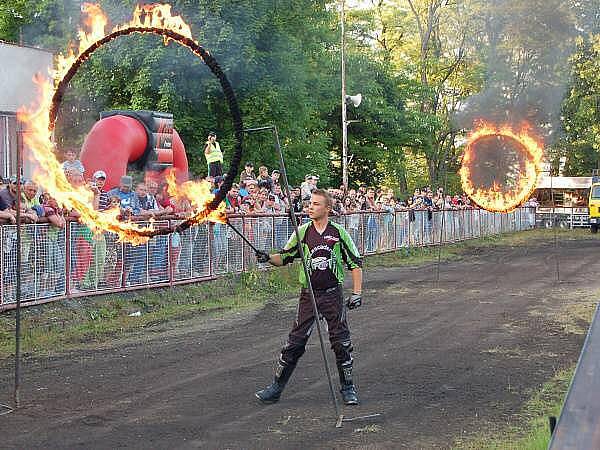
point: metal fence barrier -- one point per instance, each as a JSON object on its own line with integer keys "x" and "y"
{"x": 70, "y": 262}
{"x": 562, "y": 217}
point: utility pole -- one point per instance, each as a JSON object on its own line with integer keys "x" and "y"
{"x": 344, "y": 119}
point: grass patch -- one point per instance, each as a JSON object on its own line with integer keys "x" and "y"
{"x": 66, "y": 324}
{"x": 423, "y": 255}
{"x": 575, "y": 317}
{"x": 413, "y": 256}
{"x": 533, "y": 431}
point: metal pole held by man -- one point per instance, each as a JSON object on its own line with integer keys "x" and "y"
{"x": 326, "y": 248}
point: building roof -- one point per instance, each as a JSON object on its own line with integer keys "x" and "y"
{"x": 16, "y": 79}
{"x": 14, "y": 44}
{"x": 547, "y": 182}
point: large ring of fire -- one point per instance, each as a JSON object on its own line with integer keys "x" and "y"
{"x": 147, "y": 19}
{"x": 505, "y": 196}
{"x": 199, "y": 51}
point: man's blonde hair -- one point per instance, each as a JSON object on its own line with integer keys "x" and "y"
{"x": 323, "y": 193}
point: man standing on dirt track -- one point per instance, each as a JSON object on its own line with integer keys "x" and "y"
{"x": 327, "y": 246}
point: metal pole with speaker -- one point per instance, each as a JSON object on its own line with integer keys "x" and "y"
{"x": 344, "y": 121}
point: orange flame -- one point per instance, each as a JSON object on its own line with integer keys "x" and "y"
{"x": 157, "y": 16}
{"x": 198, "y": 194}
{"x": 494, "y": 199}
{"x": 96, "y": 21}
{"x": 38, "y": 138}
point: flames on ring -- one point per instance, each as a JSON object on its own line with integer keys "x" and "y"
{"x": 495, "y": 198}
{"x": 39, "y": 121}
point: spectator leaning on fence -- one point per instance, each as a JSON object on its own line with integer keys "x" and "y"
{"x": 128, "y": 200}
{"x": 101, "y": 198}
{"x": 9, "y": 215}
{"x": 371, "y": 204}
{"x": 447, "y": 202}
{"x": 233, "y": 200}
{"x": 163, "y": 198}
{"x": 131, "y": 206}
{"x": 438, "y": 200}
{"x": 270, "y": 206}
{"x": 153, "y": 194}
{"x": 296, "y": 200}
{"x": 7, "y": 211}
{"x": 30, "y": 198}
{"x": 280, "y": 199}
{"x": 52, "y": 277}
{"x": 428, "y": 199}
{"x": 8, "y": 195}
{"x": 52, "y": 211}
{"x": 147, "y": 203}
{"x": 251, "y": 188}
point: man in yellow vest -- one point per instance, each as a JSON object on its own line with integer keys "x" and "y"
{"x": 214, "y": 156}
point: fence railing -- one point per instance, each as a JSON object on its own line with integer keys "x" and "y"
{"x": 562, "y": 217}
{"x": 69, "y": 262}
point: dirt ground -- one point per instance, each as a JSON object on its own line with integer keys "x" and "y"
{"x": 439, "y": 362}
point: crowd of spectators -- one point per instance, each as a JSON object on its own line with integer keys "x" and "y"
{"x": 98, "y": 260}
{"x": 254, "y": 194}
{"x": 262, "y": 194}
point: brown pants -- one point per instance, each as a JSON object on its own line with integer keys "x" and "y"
{"x": 330, "y": 304}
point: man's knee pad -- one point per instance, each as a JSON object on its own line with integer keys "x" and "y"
{"x": 343, "y": 351}
{"x": 291, "y": 352}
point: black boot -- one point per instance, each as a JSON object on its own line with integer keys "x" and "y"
{"x": 271, "y": 393}
{"x": 348, "y": 390}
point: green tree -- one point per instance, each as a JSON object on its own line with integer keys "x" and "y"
{"x": 581, "y": 111}
{"x": 425, "y": 45}
{"x": 276, "y": 55}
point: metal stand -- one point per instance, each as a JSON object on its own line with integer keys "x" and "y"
{"x": 339, "y": 416}
{"x": 555, "y": 231}
{"x": 443, "y": 227}
{"x": 17, "y": 391}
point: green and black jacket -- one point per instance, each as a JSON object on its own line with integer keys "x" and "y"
{"x": 344, "y": 252}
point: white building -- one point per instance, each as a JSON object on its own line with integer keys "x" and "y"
{"x": 18, "y": 65}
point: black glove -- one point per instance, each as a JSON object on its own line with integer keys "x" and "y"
{"x": 262, "y": 257}
{"x": 354, "y": 301}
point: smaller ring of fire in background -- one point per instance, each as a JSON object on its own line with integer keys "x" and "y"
{"x": 500, "y": 166}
